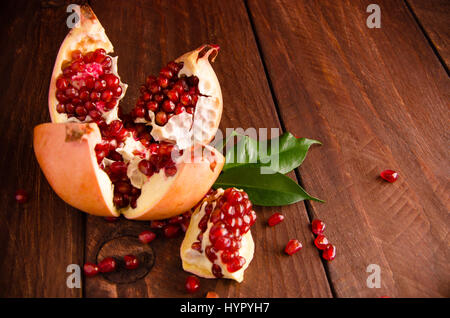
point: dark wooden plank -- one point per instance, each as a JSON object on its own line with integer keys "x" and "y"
{"x": 433, "y": 16}
{"x": 39, "y": 239}
{"x": 377, "y": 99}
{"x": 147, "y": 34}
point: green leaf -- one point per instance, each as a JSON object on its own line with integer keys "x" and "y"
{"x": 263, "y": 189}
{"x": 291, "y": 152}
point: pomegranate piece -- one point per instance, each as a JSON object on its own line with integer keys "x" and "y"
{"x": 292, "y": 247}
{"x": 21, "y": 196}
{"x": 147, "y": 236}
{"x": 275, "y": 219}
{"x": 131, "y": 262}
{"x": 107, "y": 265}
{"x": 192, "y": 284}
{"x": 321, "y": 242}
{"x": 90, "y": 269}
{"x": 329, "y": 252}
{"x": 389, "y": 175}
{"x": 317, "y": 226}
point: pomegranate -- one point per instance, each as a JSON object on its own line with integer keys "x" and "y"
{"x": 131, "y": 262}
{"x": 21, "y": 196}
{"x": 218, "y": 242}
{"x": 107, "y": 265}
{"x": 317, "y": 226}
{"x": 192, "y": 284}
{"x": 389, "y": 175}
{"x": 147, "y": 237}
{"x": 321, "y": 242}
{"x": 292, "y": 247}
{"x": 329, "y": 252}
{"x": 134, "y": 164}
{"x": 275, "y": 219}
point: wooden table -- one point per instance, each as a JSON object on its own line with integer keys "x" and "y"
{"x": 377, "y": 98}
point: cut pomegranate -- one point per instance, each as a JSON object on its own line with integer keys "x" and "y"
{"x": 389, "y": 175}
{"x": 21, "y": 196}
{"x": 293, "y": 246}
{"x": 275, "y": 219}
{"x": 329, "y": 253}
{"x": 192, "y": 284}
{"x": 130, "y": 149}
{"x": 147, "y": 237}
{"x": 317, "y": 227}
{"x": 321, "y": 242}
{"x": 90, "y": 269}
{"x": 225, "y": 217}
{"x": 131, "y": 262}
{"x": 107, "y": 265}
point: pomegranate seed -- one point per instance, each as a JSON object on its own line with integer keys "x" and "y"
{"x": 222, "y": 243}
{"x": 163, "y": 81}
{"x": 107, "y": 265}
{"x": 275, "y": 219}
{"x": 197, "y": 246}
{"x": 62, "y": 83}
{"x": 152, "y": 106}
{"x": 154, "y": 87}
{"x": 171, "y": 230}
{"x": 99, "y": 55}
{"x": 107, "y": 96}
{"x": 21, "y": 196}
{"x": 147, "y": 236}
{"x": 131, "y": 262}
{"x": 293, "y": 246}
{"x": 100, "y": 85}
{"x": 60, "y": 108}
{"x": 179, "y": 109}
{"x": 146, "y": 167}
{"x": 192, "y": 284}
{"x": 166, "y": 72}
{"x": 170, "y": 171}
{"x": 317, "y": 226}
{"x": 168, "y": 106}
{"x": 389, "y": 175}
{"x": 90, "y": 269}
{"x": 190, "y": 110}
{"x": 111, "y": 80}
{"x": 186, "y": 99}
{"x": 157, "y": 224}
{"x": 329, "y": 253}
{"x": 217, "y": 271}
{"x": 321, "y": 242}
{"x": 173, "y": 95}
{"x": 161, "y": 118}
{"x": 76, "y": 55}
{"x": 95, "y": 96}
{"x": 140, "y": 111}
{"x": 117, "y": 91}
{"x": 212, "y": 294}
{"x": 236, "y": 264}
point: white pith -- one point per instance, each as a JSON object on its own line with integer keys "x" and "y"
{"x": 198, "y": 263}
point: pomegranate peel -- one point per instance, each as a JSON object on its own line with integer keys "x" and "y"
{"x": 80, "y": 182}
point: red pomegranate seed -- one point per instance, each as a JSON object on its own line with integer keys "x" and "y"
{"x": 21, "y": 196}
{"x": 217, "y": 271}
{"x": 168, "y": 106}
{"x": 236, "y": 264}
{"x": 171, "y": 230}
{"x": 329, "y": 253}
{"x": 192, "y": 284}
{"x": 212, "y": 294}
{"x": 147, "y": 236}
{"x": 62, "y": 83}
{"x": 152, "y": 105}
{"x": 107, "y": 265}
{"x": 161, "y": 118}
{"x": 389, "y": 175}
{"x": 317, "y": 226}
{"x": 275, "y": 219}
{"x": 293, "y": 246}
{"x": 146, "y": 167}
{"x": 111, "y": 80}
{"x": 131, "y": 262}
{"x": 163, "y": 81}
{"x": 170, "y": 171}
{"x": 90, "y": 269}
{"x": 157, "y": 224}
{"x": 321, "y": 242}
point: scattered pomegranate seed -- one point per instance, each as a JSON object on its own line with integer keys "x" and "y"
{"x": 147, "y": 236}
{"x": 329, "y": 253}
{"x": 21, "y": 196}
{"x": 107, "y": 265}
{"x": 293, "y": 246}
{"x": 389, "y": 175}
{"x": 317, "y": 226}
{"x": 275, "y": 219}
{"x": 192, "y": 284}
{"x": 321, "y": 242}
{"x": 171, "y": 230}
{"x": 131, "y": 262}
{"x": 90, "y": 269}
{"x": 212, "y": 294}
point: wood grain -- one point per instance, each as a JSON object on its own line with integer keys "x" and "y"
{"x": 39, "y": 239}
{"x": 148, "y": 34}
{"x": 377, "y": 99}
{"x": 433, "y": 15}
